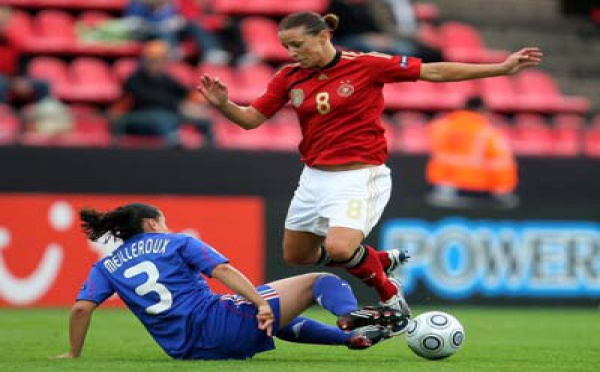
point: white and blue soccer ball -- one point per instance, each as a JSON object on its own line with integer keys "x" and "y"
{"x": 435, "y": 335}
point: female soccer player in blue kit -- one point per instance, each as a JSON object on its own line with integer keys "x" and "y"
{"x": 157, "y": 274}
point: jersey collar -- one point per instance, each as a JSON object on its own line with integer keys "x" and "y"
{"x": 334, "y": 61}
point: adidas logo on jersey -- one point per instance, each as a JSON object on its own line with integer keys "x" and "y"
{"x": 322, "y": 77}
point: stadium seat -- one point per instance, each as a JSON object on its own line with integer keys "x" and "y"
{"x": 68, "y": 4}
{"x": 53, "y": 33}
{"x": 260, "y": 35}
{"x": 227, "y": 75}
{"x": 532, "y": 136}
{"x": 411, "y": 133}
{"x": 190, "y": 138}
{"x": 90, "y": 129}
{"x": 92, "y": 81}
{"x": 124, "y": 67}
{"x": 184, "y": 74}
{"x": 230, "y": 136}
{"x": 253, "y": 80}
{"x": 426, "y": 12}
{"x": 455, "y": 94}
{"x": 284, "y": 131}
{"x": 421, "y": 95}
{"x": 592, "y": 139}
{"x": 268, "y": 7}
{"x": 429, "y": 34}
{"x": 52, "y": 70}
{"x": 567, "y": 132}
{"x": 500, "y": 94}
{"x": 462, "y": 43}
{"x": 540, "y": 93}
{"x": 9, "y": 125}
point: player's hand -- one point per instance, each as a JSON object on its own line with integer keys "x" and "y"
{"x": 213, "y": 90}
{"x": 265, "y": 319}
{"x": 526, "y": 57}
{"x": 64, "y": 356}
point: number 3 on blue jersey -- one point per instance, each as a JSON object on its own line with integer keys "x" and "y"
{"x": 151, "y": 285}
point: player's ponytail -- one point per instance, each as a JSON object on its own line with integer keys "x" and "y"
{"x": 332, "y": 21}
{"x": 121, "y": 223}
{"x": 312, "y": 22}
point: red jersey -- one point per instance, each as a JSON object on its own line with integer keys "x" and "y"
{"x": 339, "y": 106}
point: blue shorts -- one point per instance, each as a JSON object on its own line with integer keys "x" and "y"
{"x": 230, "y": 329}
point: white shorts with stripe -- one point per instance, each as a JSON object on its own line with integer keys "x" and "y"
{"x": 354, "y": 199}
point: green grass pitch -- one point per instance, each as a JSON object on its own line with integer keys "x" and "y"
{"x": 497, "y": 339}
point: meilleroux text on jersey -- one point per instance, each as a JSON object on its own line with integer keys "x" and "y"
{"x": 136, "y": 249}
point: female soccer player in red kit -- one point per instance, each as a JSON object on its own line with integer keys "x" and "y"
{"x": 345, "y": 184}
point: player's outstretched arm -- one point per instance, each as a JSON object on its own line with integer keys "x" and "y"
{"x": 237, "y": 282}
{"x": 455, "y": 71}
{"x": 216, "y": 93}
{"x": 79, "y": 322}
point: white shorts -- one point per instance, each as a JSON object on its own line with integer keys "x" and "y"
{"x": 353, "y": 199}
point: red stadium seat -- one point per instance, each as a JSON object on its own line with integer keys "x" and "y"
{"x": 9, "y": 125}
{"x": 260, "y": 35}
{"x": 592, "y": 139}
{"x": 500, "y": 94}
{"x": 462, "y": 42}
{"x": 421, "y": 95}
{"x": 455, "y": 94}
{"x": 567, "y": 131}
{"x": 411, "y": 133}
{"x": 94, "y": 18}
{"x": 429, "y": 35}
{"x": 532, "y": 136}
{"x": 19, "y": 30}
{"x": 89, "y": 130}
{"x": 540, "y": 93}
{"x": 124, "y": 67}
{"x": 190, "y": 138}
{"x": 184, "y": 74}
{"x": 284, "y": 131}
{"x": 53, "y": 32}
{"x": 227, "y": 75}
{"x": 54, "y": 71}
{"x": 426, "y": 12}
{"x": 268, "y": 7}
{"x": 92, "y": 81}
{"x": 68, "y": 4}
{"x": 253, "y": 80}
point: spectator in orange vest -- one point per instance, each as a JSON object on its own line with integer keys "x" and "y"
{"x": 471, "y": 163}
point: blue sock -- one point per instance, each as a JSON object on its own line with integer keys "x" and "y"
{"x": 308, "y": 331}
{"x": 334, "y": 295}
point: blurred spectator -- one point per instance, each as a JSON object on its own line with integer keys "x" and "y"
{"x": 226, "y": 27}
{"x": 155, "y": 104}
{"x": 49, "y": 117}
{"x": 471, "y": 164}
{"x": 369, "y": 25}
{"x": 161, "y": 19}
{"x": 18, "y": 91}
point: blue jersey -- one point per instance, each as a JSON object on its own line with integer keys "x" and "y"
{"x": 158, "y": 277}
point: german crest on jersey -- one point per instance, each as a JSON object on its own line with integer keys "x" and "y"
{"x": 297, "y": 97}
{"x": 345, "y": 89}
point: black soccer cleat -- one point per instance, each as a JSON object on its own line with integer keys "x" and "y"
{"x": 365, "y": 337}
{"x": 370, "y": 315}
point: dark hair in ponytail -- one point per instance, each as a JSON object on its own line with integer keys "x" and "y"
{"x": 312, "y": 22}
{"x": 122, "y": 223}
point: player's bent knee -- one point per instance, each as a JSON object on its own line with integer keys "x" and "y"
{"x": 339, "y": 250}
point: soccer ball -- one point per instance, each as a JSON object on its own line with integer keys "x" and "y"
{"x": 435, "y": 335}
